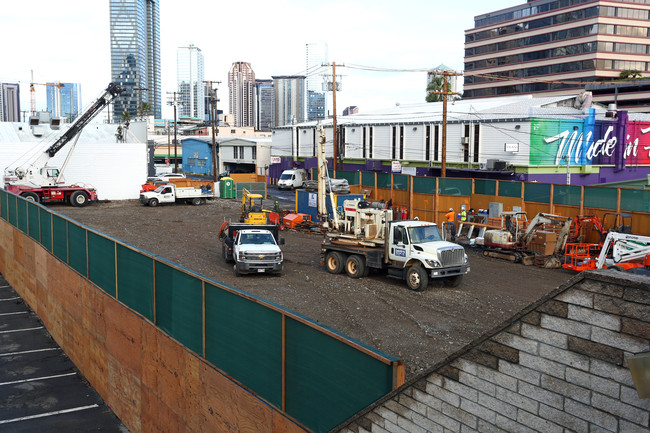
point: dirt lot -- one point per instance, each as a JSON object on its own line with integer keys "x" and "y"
{"x": 422, "y": 328}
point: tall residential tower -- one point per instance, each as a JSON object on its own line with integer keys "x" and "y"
{"x": 241, "y": 87}
{"x": 316, "y": 57}
{"x": 135, "y": 55}
{"x": 64, "y": 101}
{"x": 289, "y": 99}
{"x": 189, "y": 72}
{"x": 9, "y": 102}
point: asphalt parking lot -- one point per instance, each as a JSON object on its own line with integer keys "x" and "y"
{"x": 41, "y": 390}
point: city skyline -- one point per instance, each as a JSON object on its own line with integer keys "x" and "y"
{"x": 376, "y": 35}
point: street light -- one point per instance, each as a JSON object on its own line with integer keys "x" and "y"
{"x": 175, "y": 102}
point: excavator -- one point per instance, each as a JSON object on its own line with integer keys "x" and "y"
{"x": 513, "y": 242}
{"x": 251, "y": 209}
{"x": 36, "y": 181}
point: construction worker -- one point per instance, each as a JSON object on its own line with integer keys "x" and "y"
{"x": 450, "y": 224}
{"x": 463, "y": 215}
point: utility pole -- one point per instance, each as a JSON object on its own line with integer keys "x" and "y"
{"x": 334, "y": 128}
{"x": 174, "y": 102}
{"x": 446, "y": 94}
{"x": 213, "y": 115}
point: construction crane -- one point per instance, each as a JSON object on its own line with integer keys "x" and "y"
{"x": 37, "y": 181}
{"x": 32, "y": 93}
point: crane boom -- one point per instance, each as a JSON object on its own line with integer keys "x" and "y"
{"x": 111, "y": 92}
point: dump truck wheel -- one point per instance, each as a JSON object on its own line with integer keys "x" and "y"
{"x": 334, "y": 262}
{"x": 355, "y": 266}
{"x": 416, "y": 278}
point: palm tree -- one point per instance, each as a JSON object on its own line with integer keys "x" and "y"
{"x": 126, "y": 116}
{"x": 144, "y": 109}
{"x": 629, "y": 74}
{"x": 436, "y": 87}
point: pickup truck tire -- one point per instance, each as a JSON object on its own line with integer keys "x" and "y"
{"x": 196, "y": 201}
{"x": 236, "y": 269}
{"x": 334, "y": 262}
{"x": 416, "y": 278}
{"x": 79, "y": 199}
{"x": 31, "y": 196}
{"x": 153, "y": 202}
{"x": 453, "y": 281}
{"x": 355, "y": 266}
{"x": 224, "y": 252}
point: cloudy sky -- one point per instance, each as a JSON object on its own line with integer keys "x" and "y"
{"x": 69, "y": 41}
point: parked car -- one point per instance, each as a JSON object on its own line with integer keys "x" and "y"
{"x": 292, "y": 179}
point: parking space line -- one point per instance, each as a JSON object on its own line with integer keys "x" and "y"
{"x": 24, "y": 352}
{"x": 37, "y": 378}
{"x": 10, "y": 299}
{"x": 11, "y": 314}
{"x": 21, "y": 330}
{"x": 41, "y": 415}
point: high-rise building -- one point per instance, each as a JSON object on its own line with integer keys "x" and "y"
{"x": 264, "y": 104}
{"x": 9, "y": 102}
{"x": 316, "y": 57}
{"x": 289, "y": 99}
{"x": 555, "y": 47}
{"x": 191, "y": 89}
{"x": 241, "y": 88}
{"x": 64, "y": 101}
{"x": 135, "y": 55}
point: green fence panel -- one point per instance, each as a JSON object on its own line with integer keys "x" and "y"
{"x": 11, "y": 209}
{"x": 351, "y": 176}
{"x": 32, "y": 221}
{"x": 383, "y": 180}
{"x": 401, "y": 181}
{"x": 509, "y": 189}
{"x": 635, "y": 200}
{"x": 327, "y": 381}
{"x": 3, "y": 204}
{"x": 449, "y": 186}
{"x": 77, "y": 248}
{"x": 60, "y": 238}
{"x": 424, "y": 185}
{"x": 602, "y": 198}
{"x": 566, "y": 195}
{"x": 46, "y": 228}
{"x": 537, "y": 192}
{"x": 244, "y": 339}
{"x": 368, "y": 178}
{"x": 101, "y": 261}
{"x": 21, "y": 211}
{"x": 485, "y": 187}
{"x": 179, "y": 310}
{"x": 135, "y": 280}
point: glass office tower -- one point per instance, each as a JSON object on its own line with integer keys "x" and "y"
{"x": 189, "y": 72}
{"x": 135, "y": 55}
{"x": 64, "y": 101}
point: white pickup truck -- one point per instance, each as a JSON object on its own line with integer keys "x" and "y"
{"x": 253, "y": 247}
{"x": 171, "y": 193}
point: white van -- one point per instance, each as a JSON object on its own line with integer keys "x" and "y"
{"x": 291, "y": 179}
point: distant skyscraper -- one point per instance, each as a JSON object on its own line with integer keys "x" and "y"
{"x": 9, "y": 102}
{"x": 135, "y": 55}
{"x": 316, "y": 55}
{"x": 64, "y": 101}
{"x": 289, "y": 99}
{"x": 189, "y": 71}
{"x": 241, "y": 87}
{"x": 264, "y": 101}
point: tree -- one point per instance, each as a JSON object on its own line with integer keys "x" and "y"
{"x": 126, "y": 116}
{"x": 436, "y": 85}
{"x": 629, "y": 74}
{"x": 144, "y": 109}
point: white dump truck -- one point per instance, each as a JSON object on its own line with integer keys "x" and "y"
{"x": 254, "y": 248}
{"x": 368, "y": 238}
{"x": 170, "y": 193}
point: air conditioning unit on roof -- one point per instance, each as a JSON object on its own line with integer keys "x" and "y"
{"x": 482, "y": 166}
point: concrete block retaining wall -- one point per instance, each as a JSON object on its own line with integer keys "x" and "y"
{"x": 559, "y": 366}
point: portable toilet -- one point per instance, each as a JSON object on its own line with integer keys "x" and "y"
{"x": 227, "y": 187}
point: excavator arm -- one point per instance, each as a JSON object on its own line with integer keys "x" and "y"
{"x": 544, "y": 218}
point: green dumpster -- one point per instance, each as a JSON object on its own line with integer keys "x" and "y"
{"x": 227, "y": 187}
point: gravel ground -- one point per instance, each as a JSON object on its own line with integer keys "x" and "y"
{"x": 422, "y": 328}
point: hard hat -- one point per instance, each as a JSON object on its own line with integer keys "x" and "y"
{"x": 451, "y": 209}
